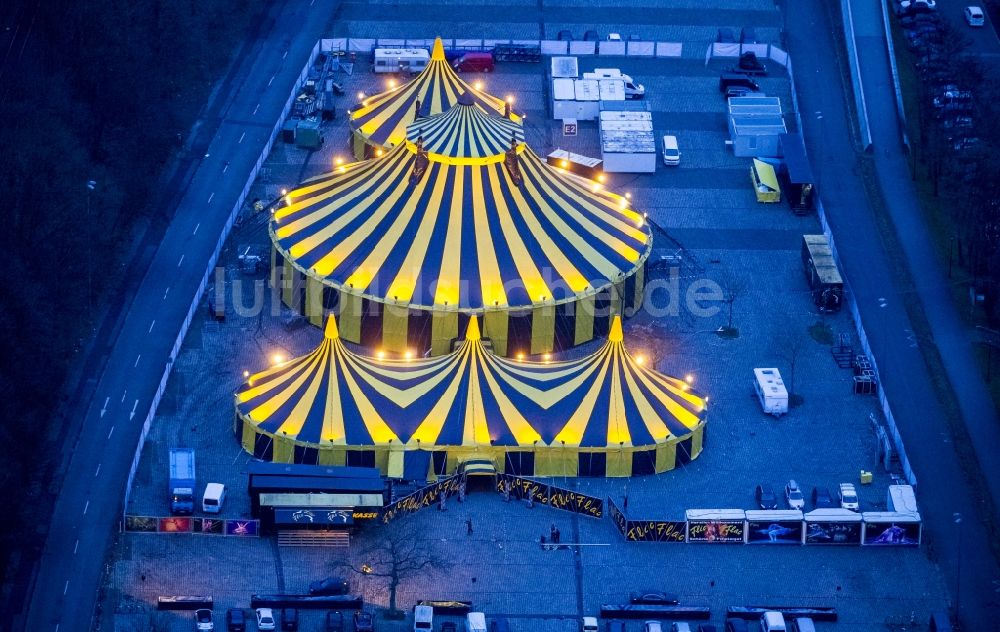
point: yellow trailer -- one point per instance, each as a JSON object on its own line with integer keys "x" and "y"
{"x": 765, "y": 182}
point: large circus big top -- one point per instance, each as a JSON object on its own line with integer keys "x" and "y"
{"x": 606, "y": 414}
{"x": 380, "y": 121}
{"x": 462, "y": 219}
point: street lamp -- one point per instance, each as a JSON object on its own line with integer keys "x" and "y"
{"x": 957, "y": 517}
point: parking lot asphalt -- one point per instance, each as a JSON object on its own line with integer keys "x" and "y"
{"x": 720, "y": 233}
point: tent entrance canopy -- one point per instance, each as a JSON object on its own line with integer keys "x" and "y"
{"x": 479, "y": 467}
{"x": 765, "y": 182}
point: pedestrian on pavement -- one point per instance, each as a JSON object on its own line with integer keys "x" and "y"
{"x": 468, "y": 526}
{"x": 556, "y": 536}
{"x": 441, "y": 506}
{"x": 552, "y": 532}
{"x": 531, "y": 499}
{"x": 625, "y": 503}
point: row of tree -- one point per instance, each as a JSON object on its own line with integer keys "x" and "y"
{"x": 93, "y": 97}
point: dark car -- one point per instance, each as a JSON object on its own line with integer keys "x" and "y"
{"x": 736, "y": 80}
{"x": 616, "y": 626}
{"x": 652, "y": 597}
{"x": 449, "y": 626}
{"x": 329, "y": 586}
{"x": 725, "y": 36}
{"x": 822, "y": 499}
{"x": 363, "y": 621}
{"x": 765, "y": 497}
{"x": 236, "y": 620}
{"x": 565, "y": 36}
{"x": 706, "y": 627}
{"x": 289, "y": 619}
{"x": 748, "y": 35}
{"x": 736, "y": 625}
{"x": 749, "y": 64}
{"x": 499, "y": 624}
{"x": 335, "y": 621}
{"x": 591, "y": 36}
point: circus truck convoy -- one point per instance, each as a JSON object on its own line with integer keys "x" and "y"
{"x": 182, "y": 481}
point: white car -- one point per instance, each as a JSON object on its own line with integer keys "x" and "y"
{"x": 794, "y": 497}
{"x": 265, "y": 619}
{"x": 680, "y": 626}
{"x": 589, "y": 624}
{"x": 848, "y": 496}
{"x": 923, "y": 4}
{"x": 203, "y": 620}
{"x": 652, "y": 626}
{"x": 975, "y": 16}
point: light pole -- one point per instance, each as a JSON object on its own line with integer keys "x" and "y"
{"x": 91, "y": 185}
{"x": 957, "y": 517}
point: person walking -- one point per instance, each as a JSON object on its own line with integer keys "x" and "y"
{"x": 468, "y": 526}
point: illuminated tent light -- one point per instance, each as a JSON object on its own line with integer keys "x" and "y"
{"x": 338, "y": 161}
{"x": 381, "y": 120}
{"x": 640, "y": 359}
{"x": 689, "y": 378}
{"x": 462, "y": 218}
{"x": 392, "y": 84}
{"x": 478, "y": 85}
{"x": 246, "y": 374}
{"x": 600, "y": 177}
{"x": 408, "y": 355}
{"x": 284, "y": 192}
{"x": 277, "y": 358}
{"x": 315, "y": 407}
{"x": 628, "y": 196}
{"x": 361, "y": 96}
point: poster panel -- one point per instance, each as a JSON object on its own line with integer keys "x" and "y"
{"x": 655, "y": 531}
{"x": 774, "y": 532}
{"x": 423, "y": 497}
{"x": 209, "y": 526}
{"x": 892, "y": 533}
{"x": 833, "y": 533}
{"x": 555, "y": 497}
{"x": 715, "y": 531}
{"x": 174, "y": 525}
{"x": 141, "y": 524}
{"x": 243, "y": 528}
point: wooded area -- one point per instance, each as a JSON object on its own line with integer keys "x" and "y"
{"x": 94, "y": 97}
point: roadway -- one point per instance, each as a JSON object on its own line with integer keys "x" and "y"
{"x": 89, "y": 504}
{"x": 922, "y": 418}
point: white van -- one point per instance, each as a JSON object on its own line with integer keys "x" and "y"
{"x": 475, "y": 622}
{"x": 405, "y": 60}
{"x": 215, "y": 495}
{"x": 423, "y": 618}
{"x": 671, "y": 155}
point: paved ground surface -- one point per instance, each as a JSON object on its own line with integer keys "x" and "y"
{"x": 708, "y": 209}
{"x": 89, "y": 500}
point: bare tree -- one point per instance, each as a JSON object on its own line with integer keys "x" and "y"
{"x": 732, "y": 289}
{"x": 790, "y": 346}
{"x": 397, "y": 552}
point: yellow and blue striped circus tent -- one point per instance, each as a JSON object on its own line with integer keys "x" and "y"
{"x": 606, "y": 414}
{"x": 380, "y": 121}
{"x": 461, "y": 220}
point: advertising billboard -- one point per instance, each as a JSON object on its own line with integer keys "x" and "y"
{"x": 721, "y": 531}
{"x": 208, "y": 526}
{"x": 174, "y": 525}
{"x": 892, "y": 533}
{"x": 833, "y": 532}
{"x": 774, "y": 532}
{"x": 555, "y": 497}
{"x": 244, "y": 528}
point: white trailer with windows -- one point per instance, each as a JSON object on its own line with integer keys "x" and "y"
{"x": 771, "y": 391}
{"x": 405, "y": 60}
{"x": 628, "y": 144}
{"x": 901, "y": 499}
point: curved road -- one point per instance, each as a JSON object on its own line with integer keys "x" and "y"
{"x": 922, "y": 421}
{"x": 90, "y": 501}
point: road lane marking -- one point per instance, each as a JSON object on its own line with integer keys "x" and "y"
{"x": 137, "y": 361}
{"x": 76, "y": 546}
{"x": 151, "y": 327}
{"x": 285, "y": 55}
{"x": 66, "y": 587}
{"x": 255, "y": 109}
{"x": 181, "y": 261}
{"x": 134, "y": 406}
{"x": 86, "y": 507}
{"x": 165, "y": 294}
{"x": 242, "y": 136}
{"x": 98, "y": 470}
{"x": 210, "y": 198}
{"x": 104, "y": 408}
{"x": 111, "y": 432}
{"x": 270, "y": 81}
{"x": 123, "y": 395}
{"x": 199, "y": 224}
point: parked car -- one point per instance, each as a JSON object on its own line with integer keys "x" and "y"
{"x": 706, "y": 627}
{"x": 591, "y": 36}
{"x": 849, "y": 497}
{"x": 614, "y": 37}
{"x": 449, "y": 626}
{"x": 329, "y": 586}
{"x": 363, "y": 621}
{"x": 588, "y": 624}
{"x": 736, "y": 625}
{"x": 652, "y": 597}
{"x": 680, "y": 626}
{"x": 565, "y": 36}
{"x": 335, "y": 621}
{"x": 725, "y": 36}
{"x": 289, "y": 619}
{"x": 265, "y": 619}
{"x": 822, "y": 499}
{"x": 616, "y": 626}
{"x": 765, "y": 497}
{"x": 805, "y": 624}
{"x": 793, "y": 495}
{"x": 652, "y": 626}
{"x": 475, "y": 62}
{"x": 974, "y": 16}
{"x": 750, "y": 65}
{"x": 203, "y": 620}
{"x": 236, "y": 620}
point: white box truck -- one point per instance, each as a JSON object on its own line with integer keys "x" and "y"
{"x": 475, "y": 622}
{"x": 633, "y": 90}
{"x": 770, "y": 391}
{"x": 901, "y": 499}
